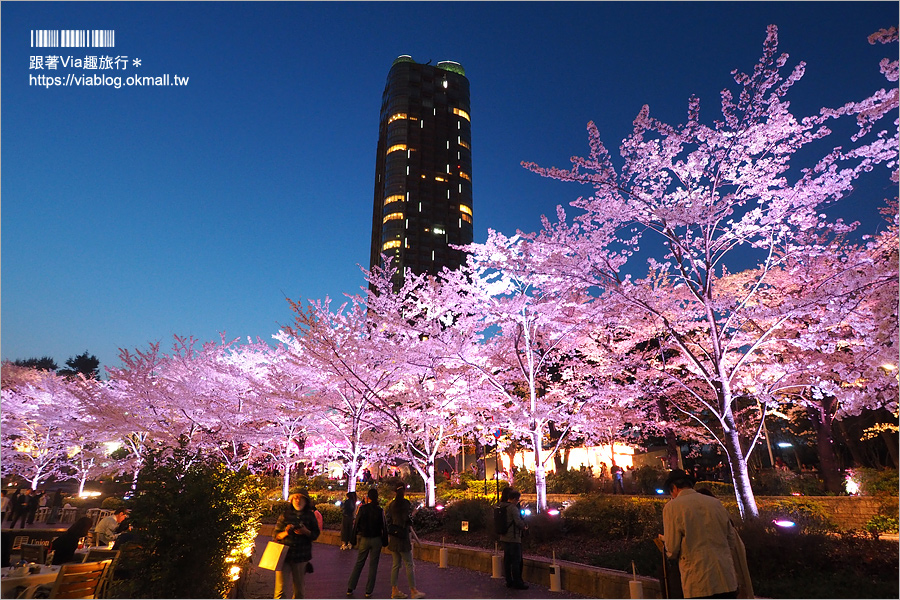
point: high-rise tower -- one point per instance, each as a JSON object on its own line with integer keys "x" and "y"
{"x": 423, "y": 168}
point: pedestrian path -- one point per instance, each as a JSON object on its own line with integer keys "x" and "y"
{"x": 333, "y": 566}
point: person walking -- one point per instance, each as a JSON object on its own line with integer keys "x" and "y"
{"x": 296, "y": 528}
{"x": 55, "y": 507}
{"x": 4, "y": 502}
{"x": 20, "y": 508}
{"x": 348, "y": 510}
{"x": 371, "y": 528}
{"x": 698, "y": 532}
{"x": 34, "y": 502}
{"x": 618, "y": 480}
{"x": 399, "y": 525}
{"x": 512, "y": 539}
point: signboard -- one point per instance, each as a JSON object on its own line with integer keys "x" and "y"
{"x": 465, "y": 525}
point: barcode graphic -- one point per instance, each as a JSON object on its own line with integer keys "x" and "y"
{"x": 73, "y": 38}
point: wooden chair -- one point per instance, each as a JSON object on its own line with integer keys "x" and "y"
{"x": 34, "y": 553}
{"x": 79, "y": 580}
{"x": 98, "y": 554}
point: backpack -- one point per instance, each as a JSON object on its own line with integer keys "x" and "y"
{"x": 501, "y": 519}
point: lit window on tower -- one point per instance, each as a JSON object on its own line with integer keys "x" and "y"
{"x": 465, "y": 176}
{"x": 397, "y": 117}
{"x": 390, "y": 244}
{"x": 460, "y": 112}
{"x": 396, "y": 147}
{"x": 394, "y": 198}
{"x": 464, "y": 144}
{"x": 393, "y": 217}
{"x": 465, "y": 209}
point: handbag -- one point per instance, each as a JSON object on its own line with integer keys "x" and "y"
{"x": 273, "y": 557}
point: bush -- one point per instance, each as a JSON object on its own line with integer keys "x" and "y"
{"x": 524, "y": 481}
{"x": 881, "y": 524}
{"x": 819, "y": 565}
{"x": 648, "y": 479}
{"x": 428, "y": 519}
{"x": 809, "y": 515}
{"x": 874, "y": 481}
{"x": 572, "y": 481}
{"x": 721, "y": 490}
{"x": 193, "y": 517}
{"x": 112, "y": 503}
{"x": 615, "y": 518}
{"x": 476, "y": 511}
{"x": 331, "y": 514}
{"x": 486, "y": 489}
{"x": 544, "y": 528}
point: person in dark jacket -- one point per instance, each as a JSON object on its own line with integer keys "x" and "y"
{"x": 55, "y": 507}
{"x": 20, "y": 508}
{"x": 65, "y": 545}
{"x": 512, "y": 540}
{"x": 296, "y": 528}
{"x": 372, "y": 531}
{"x": 348, "y": 509}
{"x": 398, "y": 516}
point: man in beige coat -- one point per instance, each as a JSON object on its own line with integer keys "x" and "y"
{"x": 698, "y": 532}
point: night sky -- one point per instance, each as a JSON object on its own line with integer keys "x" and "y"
{"x": 132, "y": 214}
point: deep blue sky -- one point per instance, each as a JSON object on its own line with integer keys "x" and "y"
{"x": 130, "y": 215}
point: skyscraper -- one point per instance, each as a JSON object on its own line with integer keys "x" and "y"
{"x": 423, "y": 168}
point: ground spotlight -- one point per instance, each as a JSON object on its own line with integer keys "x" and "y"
{"x": 784, "y": 524}
{"x": 553, "y": 512}
{"x": 660, "y": 491}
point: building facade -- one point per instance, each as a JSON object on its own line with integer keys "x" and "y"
{"x": 423, "y": 168}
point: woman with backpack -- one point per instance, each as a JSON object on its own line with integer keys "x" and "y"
{"x": 399, "y": 524}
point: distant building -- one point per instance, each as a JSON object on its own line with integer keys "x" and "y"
{"x": 423, "y": 168}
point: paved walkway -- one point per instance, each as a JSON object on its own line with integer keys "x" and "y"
{"x": 333, "y": 567}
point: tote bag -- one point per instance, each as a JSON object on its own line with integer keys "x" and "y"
{"x": 273, "y": 557}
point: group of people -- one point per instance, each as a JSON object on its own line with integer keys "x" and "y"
{"x": 367, "y": 526}
{"x": 22, "y": 505}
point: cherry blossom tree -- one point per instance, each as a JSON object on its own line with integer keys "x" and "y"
{"x": 38, "y": 414}
{"x": 519, "y": 327}
{"x": 338, "y": 354}
{"x": 710, "y": 196}
{"x": 434, "y": 403}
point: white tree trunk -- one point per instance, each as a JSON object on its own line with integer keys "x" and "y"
{"x": 430, "y": 495}
{"x": 540, "y": 478}
{"x": 286, "y": 481}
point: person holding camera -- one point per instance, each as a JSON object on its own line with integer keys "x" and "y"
{"x": 296, "y": 528}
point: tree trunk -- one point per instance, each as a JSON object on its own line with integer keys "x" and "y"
{"x": 430, "y": 496}
{"x": 739, "y": 474}
{"x": 671, "y": 441}
{"x": 821, "y": 416}
{"x": 889, "y": 438}
{"x": 540, "y": 478}
{"x": 850, "y": 441}
{"x": 286, "y": 481}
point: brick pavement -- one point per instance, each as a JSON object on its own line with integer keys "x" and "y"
{"x": 333, "y": 566}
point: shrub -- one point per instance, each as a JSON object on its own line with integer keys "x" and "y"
{"x": 428, "y": 519}
{"x": 571, "y": 481}
{"x": 721, "y": 490}
{"x": 216, "y": 517}
{"x": 809, "y": 515}
{"x": 881, "y": 524}
{"x": 475, "y": 511}
{"x": 112, "y": 503}
{"x": 648, "y": 479}
{"x": 610, "y": 517}
{"x": 544, "y": 528}
{"x": 873, "y": 481}
{"x": 524, "y": 481}
{"x": 331, "y": 514}
{"x": 486, "y": 489}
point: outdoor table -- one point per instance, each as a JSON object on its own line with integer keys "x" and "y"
{"x": 68, "y": 515}
{"x": 9, "y": 584}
